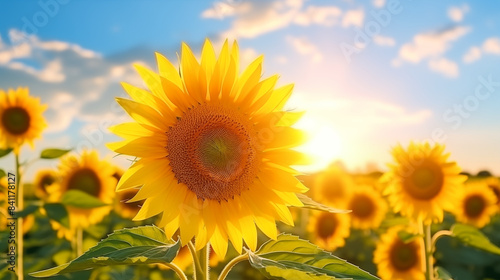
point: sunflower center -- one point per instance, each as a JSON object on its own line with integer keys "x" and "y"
{"x": 212, "y": 150}
{"x": 46, "y": 181}
{"x": 327, "y": 224}
{"x": 16, "y": 120}
{"x": 403, "y": 256}
{"x": 85, "y": 180}
{"x": 474, "y": 206}
{"x": 426, "y": 181}
{"x": 362, "y": 206}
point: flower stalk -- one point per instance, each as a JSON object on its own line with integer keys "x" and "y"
{"x": 231, "y": 264}
{"x": 428, "y": 245}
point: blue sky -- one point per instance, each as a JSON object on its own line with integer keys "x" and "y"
{"x": 369, "y": 74}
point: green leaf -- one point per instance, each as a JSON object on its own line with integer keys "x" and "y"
{"x": 473, "y": 237}
{"x": 442, "y": 274}
{"x": 311, "y": 204}
{"x": 5, "y": 152}
{"x": 58, "y": 213}
{"x": 289, "y": 257}
{"x": 53, "y": 153}
{"x": 2, "y": 173}
{"x": 394, "y": 221}
{"x": 408, "y": 237}
{"x": 27, "y": 210}
{"x": 80, "y": 199}
{"x": 140, "y": 245}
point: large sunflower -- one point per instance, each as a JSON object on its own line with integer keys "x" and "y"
{"x": 213, "y": 148}
{"x": 368, "y": 208}
{"x": 477, "y": 204}
{"x": 329, "y": 230}
{"x": 333, "y": 186}
{"x": 121, "y": 205}
{"x": 88, "y": 174}
{"x": 422, "y": 182}
{"x": 43, "y": 179}
{"x": 397, "y": 260}
{"x": 21, "y": 118}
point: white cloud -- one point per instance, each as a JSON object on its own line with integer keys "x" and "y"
{"x": 254, "y": 18}
{"x": 384, "y": 41}
{"x": 457, "y": 13}
{"x": 473, "y": 54}
{"x": 354, "y": 18}
{"x": 303, "y": 46}
{"x": 76, "y": 83}
{"x": 444, "y": 66}
{"x": 378, "y": 3}
{"x": 431, "y": 45}
{"x": 492, "y": 45}
{"x": 327, "y": 15}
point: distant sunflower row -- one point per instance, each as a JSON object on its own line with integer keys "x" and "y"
{"x": 420, "y": 186}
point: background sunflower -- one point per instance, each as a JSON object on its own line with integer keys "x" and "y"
{"x": 90, "y": 175}
{"x": 21, "y": 118}
{"x": 397, "y": 260}
{"x": 477, "y": 204}
{"x": 422, "y": 183}
{"x": 329, "y": 230}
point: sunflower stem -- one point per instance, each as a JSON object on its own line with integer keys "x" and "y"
{"x": 429, "y": 270}
{"x": 439, "y": 234}
{"x": 79, "y": 241}
{"x": 204, "y": 262}
{"x": 20, "y": 206}
{"x": 231, "y": 264}
{"x": 198, "y": 271}
{"x": 177, "y": 270}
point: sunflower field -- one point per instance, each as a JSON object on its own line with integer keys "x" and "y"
{"x": 204, "y": 179}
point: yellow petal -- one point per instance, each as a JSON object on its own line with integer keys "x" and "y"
{"x": 144, "y": 114}
{"x": 168, "y": 70}
{"x": 190, "y": 71}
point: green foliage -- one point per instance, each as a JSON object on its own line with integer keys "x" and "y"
{"x": 140, "y": 245}
{"x": 408, "y": 237}
{"x": 53, "y": 153}
{"x": 442, "y": 274}
{"x": 58, "y": 213}
{"x": 473, "y": 237}
{"x": 4, "y": 152}
{"x": 80, "y": 199}
{"x": 289, "y": 257}
{"x": 311, "y": 204}
{"x": 2, "y": 173}
{"x": 27, "y": 210}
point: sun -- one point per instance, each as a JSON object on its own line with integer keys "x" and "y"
{"x": 324, "y": 144}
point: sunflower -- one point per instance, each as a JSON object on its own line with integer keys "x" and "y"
{"x": 329, "y": 230}
{"x": 21, "y": 118}
{"x": 90, "y": 175}
{"x": 397, "y": 260}
{"x": 368, "y": 208}
{"x": 333, "y": 186}
{"x": 477, "y": 204}
{"x": 43, "y": 179}
{"x": 494, "y": 185}
{"x": 422, "y": 182}
{"x": 213, "y": 147}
